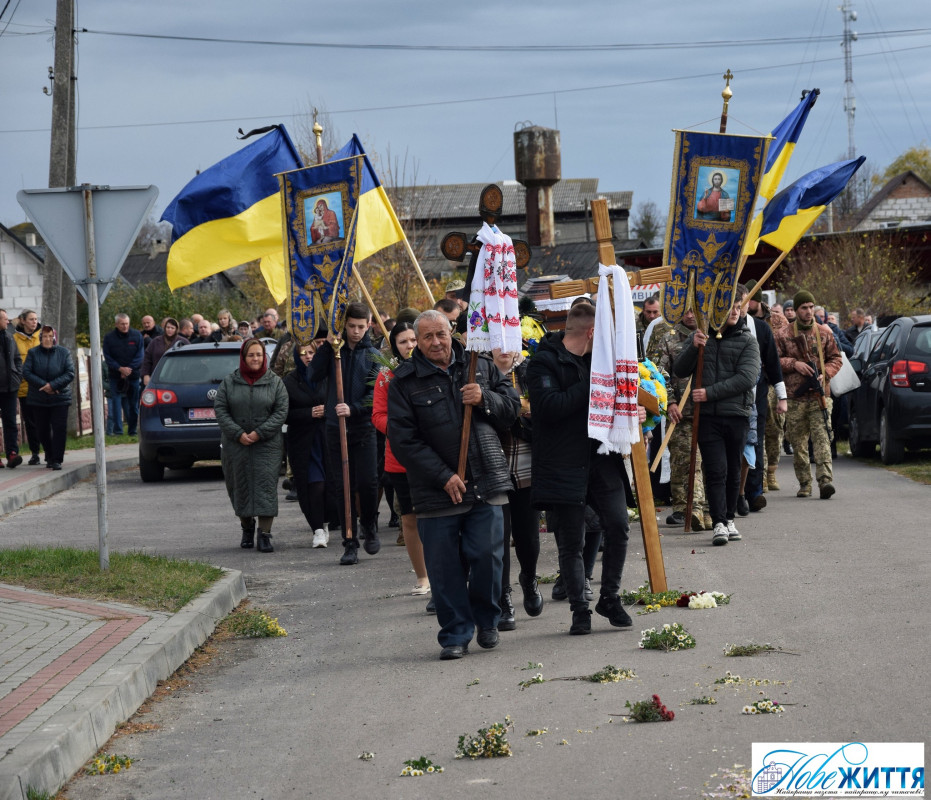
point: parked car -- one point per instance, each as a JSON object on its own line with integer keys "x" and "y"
{"x": 177, "y": 424}
{"x": 892, "y": 406}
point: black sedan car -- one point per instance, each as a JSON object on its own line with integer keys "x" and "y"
{"x": 177, "y": 424}
{"x": 892, "y": 406}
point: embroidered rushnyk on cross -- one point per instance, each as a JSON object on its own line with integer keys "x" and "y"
{"x": 612, "y": 414}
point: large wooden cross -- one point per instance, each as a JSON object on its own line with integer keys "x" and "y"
{"x": 455, "y": 246}
{"x": 638, "y": 452}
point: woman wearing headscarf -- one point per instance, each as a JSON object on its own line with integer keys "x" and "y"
{"x": 158, "y": 346}
{"x": 251, "y": 406}
{"x": 49, "y": 371}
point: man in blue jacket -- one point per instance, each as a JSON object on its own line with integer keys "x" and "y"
{"x": 123, "y": 350}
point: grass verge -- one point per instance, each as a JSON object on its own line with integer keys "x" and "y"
{"x": 87, "y": 442}
{"x": 153, "y": 582}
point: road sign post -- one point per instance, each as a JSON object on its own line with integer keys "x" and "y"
{"x": 67, "y": 219}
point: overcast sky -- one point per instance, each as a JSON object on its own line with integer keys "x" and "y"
{"x": 153, "y": 111}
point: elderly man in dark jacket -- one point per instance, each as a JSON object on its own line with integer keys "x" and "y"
{"x": 567, "y": 472}
{"x": 425, "y": 411}
{"x": 123, "y": 350}
{"x": 727, "y": 397}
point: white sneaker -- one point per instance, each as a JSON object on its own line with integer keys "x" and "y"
{"x": 720, "y": 534}
{"x": 321, "y": 538}
{"x": 732, "y": 533}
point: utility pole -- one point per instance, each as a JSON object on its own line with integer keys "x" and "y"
{"x": 58, "y": 293}
{"x": 850, "y": 103}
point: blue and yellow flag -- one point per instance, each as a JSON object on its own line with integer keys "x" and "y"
{"x": 231, "y": 214}
{"x": 789, "y": 215}
{"x": 785, "y": 137}
{"x": 716, "y": 178}
{"x": 321, "y": 208}
{"x": 378, "y": 225}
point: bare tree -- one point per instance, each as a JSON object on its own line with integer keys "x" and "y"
{"x": 845, "y": 271}
{"x": 304, "y": 138}
{"x": 647, "y": 223}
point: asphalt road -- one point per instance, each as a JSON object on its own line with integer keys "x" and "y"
{"x": 842, "y": 583}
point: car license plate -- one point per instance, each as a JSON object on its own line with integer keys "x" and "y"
{"x": 201, "y": 414}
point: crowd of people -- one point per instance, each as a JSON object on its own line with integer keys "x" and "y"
{"x": 764, "y": 379}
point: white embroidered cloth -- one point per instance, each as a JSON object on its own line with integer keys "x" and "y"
{"x": 612, "y": 409}
{"x": 494, "y": 320}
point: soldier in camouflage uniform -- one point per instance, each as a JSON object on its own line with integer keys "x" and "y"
{"x": 803, "y": 359}
{"x": 662, "y": 352}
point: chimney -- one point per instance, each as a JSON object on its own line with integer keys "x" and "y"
{"x": 537, "y": 164}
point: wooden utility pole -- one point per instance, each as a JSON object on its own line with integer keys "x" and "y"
{"x": 58, "y": 293}
{"x": 638, "y": 453}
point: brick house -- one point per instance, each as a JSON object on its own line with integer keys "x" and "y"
{"x": 20, "y": 273}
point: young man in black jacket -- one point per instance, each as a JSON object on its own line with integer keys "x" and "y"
{"x": 460, "y": 522}
{"x": 568, "y": 473}
{"x": 727, "y": 397}
{"x": 359, "y": 367}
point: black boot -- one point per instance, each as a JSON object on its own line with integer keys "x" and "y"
{"x": 265, "y": 542}
{"x": 581, "y": 622}
{"x": 350, "y": 552}
{"x": 507, "y": 622}
{"x": 533, "y": 600}
{"x": 248, "y": 536}
{"x": 613, "y": 609}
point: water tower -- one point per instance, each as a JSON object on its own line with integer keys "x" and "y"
{"x": 537, "y": 164}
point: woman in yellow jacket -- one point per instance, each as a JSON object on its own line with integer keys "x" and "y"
{"x": 26, "y": 337}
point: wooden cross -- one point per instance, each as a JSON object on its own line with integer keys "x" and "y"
{"x": 454, "y": 246}
{"x": 638, "y": 453}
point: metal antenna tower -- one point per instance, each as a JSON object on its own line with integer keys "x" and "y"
{"x": 850, "y": 103}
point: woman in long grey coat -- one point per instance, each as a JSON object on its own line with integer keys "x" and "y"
{"x": 251, "y": 406}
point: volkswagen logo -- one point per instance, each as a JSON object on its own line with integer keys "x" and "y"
{"x": 211, "y": 394}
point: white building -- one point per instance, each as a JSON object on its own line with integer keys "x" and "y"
{"x": 20, "y": 274}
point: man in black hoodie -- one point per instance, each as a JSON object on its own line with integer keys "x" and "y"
{"x": 359, "y": 366}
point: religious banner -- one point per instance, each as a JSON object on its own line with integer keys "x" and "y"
{"x": 320, "y": 218}
{"x": 716, "y": 178}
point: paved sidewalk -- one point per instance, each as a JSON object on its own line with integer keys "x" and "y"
{"x": 72, "y": 670}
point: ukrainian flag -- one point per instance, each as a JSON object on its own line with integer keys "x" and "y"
{"x": 231, "y": 214}
{"x": 785, "y": 137}
{"x": 378, "y": 225}
{"x": 789, "y": 215}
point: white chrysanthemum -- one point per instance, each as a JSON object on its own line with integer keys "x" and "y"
{"x": 747, "y": 710}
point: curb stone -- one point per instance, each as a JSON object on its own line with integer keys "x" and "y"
{"x": 50, "y": 756}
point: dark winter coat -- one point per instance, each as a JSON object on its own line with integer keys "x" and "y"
{"x": 425, "y": 413}
{"x": 302, "y": 425}
{"x": 123, "y": 350}
{"x": 360, "y": 369}
{"x": 559, "y": 384}
{"x": 251, "y": 472}
{"x": 154, "y": 351}
{"x": 11, "y": 364}
{"x": 730, "y": 370}
{"x": 53, "y": 366}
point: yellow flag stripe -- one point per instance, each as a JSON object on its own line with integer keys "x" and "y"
{"x": 769, "y": 183}
{"x": 793, "y": 228}
{"x": 226, "y": 243}
{"x": 378, "y": 227}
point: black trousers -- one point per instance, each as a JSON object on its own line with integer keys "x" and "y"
{"x": 607, "y": 497}
{"x": 721, "y": 441}
{"x": 52, "y": 424}
{"x": 522, "y": 521}
{"x": 363, "y": 474}
{"x": 10, "y": 431}
{"x": 27, "y": 412}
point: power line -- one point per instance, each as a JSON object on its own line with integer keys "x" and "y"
{"x": 510, "y": 48}
{"x": 486, "y": 99}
